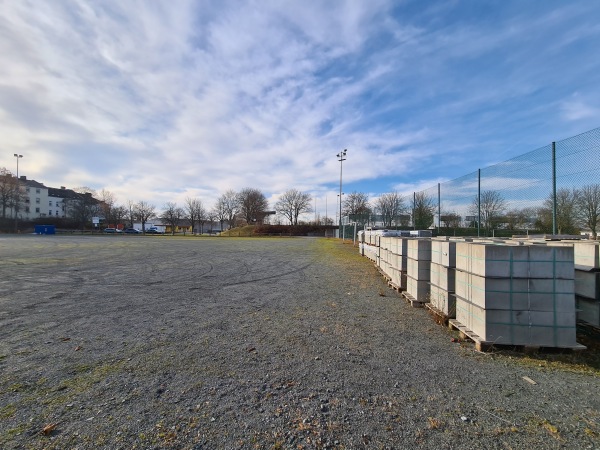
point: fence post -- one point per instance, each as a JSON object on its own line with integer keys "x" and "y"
{"x": 439, "y": 209}
{"x": 413, "y": 212}
{"x": 478, "y": 202}
{"x": 554, "y": 224}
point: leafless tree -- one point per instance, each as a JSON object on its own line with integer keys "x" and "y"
{"x": 83, "y": 207}
{"x": 450, "y": 219}
{"x": 220, "y": 211}
{"x": 293, "y": 203}
{"x": 390, "y": 206}
{"x": 587, "y": 200}
{"x": 107, "y": 204}
{"x": 423, "y": 209}
{"x": 228, "y": 203}
{"x": 252, "y": 204}
{"x": 492, "y": 207}
{"x": 130, "y": 212}
{"x": 356, "y": 207}
{"x": 565, "y": 212}
{"x": 143, "y": 212}
{"x": 119, "y": 214}
{"x": 9, "y": 190}
{"x": 194, "y": 210}
{"x": 172, "y": 214}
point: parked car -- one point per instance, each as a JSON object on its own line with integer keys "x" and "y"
{"x": 110, "y": 230}
{"x": 154, "y": 231}
{"x": 131, "y": 231}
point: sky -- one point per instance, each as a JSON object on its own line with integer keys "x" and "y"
{"x": 166, "y": 100}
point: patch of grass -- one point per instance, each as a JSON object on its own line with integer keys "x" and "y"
{"x": 8, "y": 411}
{"x": 10, "y": 433}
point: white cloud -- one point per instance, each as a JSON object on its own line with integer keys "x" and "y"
{"x": 159, "y": 101}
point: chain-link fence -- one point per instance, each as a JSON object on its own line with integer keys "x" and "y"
{"x": 554, "y": 189}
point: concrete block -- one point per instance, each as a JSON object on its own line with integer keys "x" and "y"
{"x": 515, "y": 261}
{"x": 418, "y": 269}
{"x": 442, "y": 276}
{"x": 443, "y": 252}
{"x": 443, "y": 300}
{"x": 588, "y": 310}
{"x": 536, "y": 328}
{"x": 402, "y": 244}
{"x": 419, "y": 249}
{"x": 587, "y": 284}
{"x": 517, "y": 294}
{"x": 419, "y": 289}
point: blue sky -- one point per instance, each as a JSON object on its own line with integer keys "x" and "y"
{"x": 163, "y": 100}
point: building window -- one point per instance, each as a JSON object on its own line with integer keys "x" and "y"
{"x": 37, "y": 210}
{"x": 50, "y": 203}
{"x": 27, "y": 200}
{"x": 37, "y": 191}
{"x": 27, "y": 209}
{"x": 50, "y": 212}
{"x": 37, "y": 201}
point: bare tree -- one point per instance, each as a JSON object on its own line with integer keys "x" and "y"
{"x": 390, "y": 206}
{"x": 220, "y": 211}
{"x": 9, "y": 190}
{"x": 423, "y": 209}
{"x": 143, "y": 212}
{"x": 565, "y": 212}
{"x": 130, "y": 214}
{"x": 107, "y": 204}
{"x": 252, "y": 204}
{"x": 119, "y": 214}
{"x": 172, "y": 214}
{"x": 83, "y": 206}
{"x": 293, "y": 203}
{"x": 492, "y": 207}
{"x": 357, "y": 205}
{"x": 450, "y": 219}
{"x": 194, "y": 210}
{"x": 228, "y": 203}
{"x": 587, "y": 200}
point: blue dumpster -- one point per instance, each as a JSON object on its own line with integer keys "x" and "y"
{"x": 45, "y": 229}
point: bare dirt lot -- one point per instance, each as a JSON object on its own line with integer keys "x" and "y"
{"x": 123, "y": 342}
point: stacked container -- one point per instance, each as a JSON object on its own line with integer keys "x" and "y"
{"x": 517, "y": 294}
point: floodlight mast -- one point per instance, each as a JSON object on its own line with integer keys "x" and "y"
{"x": 341, "y": 158}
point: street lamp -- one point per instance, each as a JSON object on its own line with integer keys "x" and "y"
{"x": 341, "y": 158}
{"x": 18, "y": 157}
{"x": 18, "y": 195}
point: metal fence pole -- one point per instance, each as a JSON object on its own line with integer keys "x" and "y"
{"x": 554, "y": 224}
{"x": 478, "y": 202}
{"x": 413, "y": 212}
{"x": 439, "y": 209}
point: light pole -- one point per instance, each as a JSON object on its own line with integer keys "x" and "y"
{"x": 341, "y": 158}
{"x": 17, "y": 195}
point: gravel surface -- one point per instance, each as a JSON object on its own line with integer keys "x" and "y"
{"x": 124, "y": 342}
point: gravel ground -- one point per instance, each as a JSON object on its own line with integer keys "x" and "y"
{"x": 124, "y": 342}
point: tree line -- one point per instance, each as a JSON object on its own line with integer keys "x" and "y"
{"x": 576, "y": 209}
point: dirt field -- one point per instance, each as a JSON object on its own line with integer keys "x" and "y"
{"x": 154, "y": 342}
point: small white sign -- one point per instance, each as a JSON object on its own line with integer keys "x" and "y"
{"x": 96, "y": 220}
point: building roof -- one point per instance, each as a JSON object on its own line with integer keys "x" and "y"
{"x": 31, "y": 183}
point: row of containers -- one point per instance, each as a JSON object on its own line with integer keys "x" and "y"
{"x": 526, "y": 290}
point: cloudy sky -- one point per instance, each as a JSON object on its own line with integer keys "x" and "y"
{"x": 163, "y": 100}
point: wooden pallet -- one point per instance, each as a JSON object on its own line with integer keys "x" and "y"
{"x": 437, "y": 314}
{"x": 485, "y": 346}
{"x": 395, "y": 287}
{"x": 413, "y": 301}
